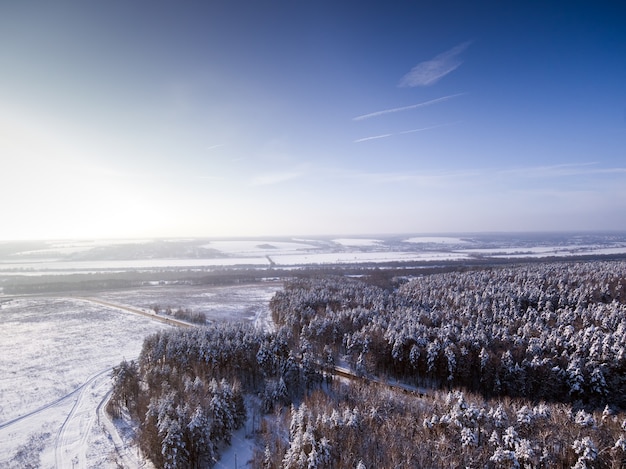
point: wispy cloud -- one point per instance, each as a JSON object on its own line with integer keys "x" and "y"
{"x": 509, "y": 178}
{"x": 563, "y": 170}
{"x": 422, "y": 178}
{"x": 213, "y": 147}
{"x": 271, "y": 178}
{"x": 375, "y": 137}
{"x": 430, "y": 127}
{"x": 405, "y": 108}
{"x": 421, "y": 129}
{"x": 431, "y": 71}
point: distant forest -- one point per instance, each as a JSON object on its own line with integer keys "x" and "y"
{"x": 515, "y": 366}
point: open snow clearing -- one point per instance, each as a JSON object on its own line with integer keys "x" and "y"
{"x": 71, "y": 442}
{"x": 141, "y": 312}
{"x": 56, "y": 354}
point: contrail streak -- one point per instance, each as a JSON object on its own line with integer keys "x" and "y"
{"x": 406, "y": 108}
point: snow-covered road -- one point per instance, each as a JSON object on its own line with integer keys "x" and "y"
{"x": 56, "y": 356}
{"x": 70, "y": 447}
{"x": 141, "y": 312}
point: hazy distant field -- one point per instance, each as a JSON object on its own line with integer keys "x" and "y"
{"x": 56, "y": 352}
{"x": 63, "y": 257}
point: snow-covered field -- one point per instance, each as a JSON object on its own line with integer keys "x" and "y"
{"x": 231, "y": 302}
{"x": 545, "y": 251}
{"x": 61, "y": 257}
{"x": 56, "y": 355}
{"x": 435, "y": 240}
{"x": 256, "y": 247}
{"x": 361, "y": 242}
{"x": 280, "y": 260}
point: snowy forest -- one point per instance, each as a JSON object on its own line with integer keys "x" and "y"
{"x": 511, "y": 366}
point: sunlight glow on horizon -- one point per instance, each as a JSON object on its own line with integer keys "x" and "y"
{"x": 240, "y": 120}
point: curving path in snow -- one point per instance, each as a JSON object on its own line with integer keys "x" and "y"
{"x": 70, "y": 428}
{"x": 76, "y": 423}
{"x": 127, "y": 458}
{"x": 46, "y": 344}
{"x": 70, "y": 419}
{"x": 70, "y": 448}
{"x": 56, "y": 402}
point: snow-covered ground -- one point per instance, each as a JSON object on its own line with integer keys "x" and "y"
{"x": 61, "y": 266}
{"x": 281, "y": 259}
{"x": 56, "y": 356}
{"x": 61, "y": 257}
{"x": 545, "y": 251}
{"x": 230, "y": 302}
{"x": 56, "y": 353}
{"x": 435, "y": 240}
{"x": 360, "y": 242}
{"x": 256, "y": 247}
{"x": 358, "y": 257}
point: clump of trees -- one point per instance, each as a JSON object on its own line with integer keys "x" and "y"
{"x": 371, "y": 427}
{"x": 186, "y": 314}
{"x": 554, "y": 332}
{"x": 186, "y": 391}
{"x": 520, "y": 366}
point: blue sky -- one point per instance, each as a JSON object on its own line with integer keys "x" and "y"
{"x": 242, "y": 118}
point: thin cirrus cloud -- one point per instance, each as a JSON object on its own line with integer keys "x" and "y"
{"x": 564, "y": 170}
{"x": 477, "y": 177}
{"x": 421, "y": 129}
{"x": 419, "y": 178}
{"x": 405, "y": 108}
{"x": 271, "y": 178}
{"x": 431, "y": 71}
{"x": 374, "y": 137}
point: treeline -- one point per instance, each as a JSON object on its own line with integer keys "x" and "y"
{"x": 534, "y": 357}
{"x": 186, "y": 391}
{"x": 184, "y": 314}
{"x": 512, "y": 338}
{"x": 17, "y": 284}
{"x": 97, "y": 281}
{"x": 369, "y": 427}
{"x": 553, "y": 332}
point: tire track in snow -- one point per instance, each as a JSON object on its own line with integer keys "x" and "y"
{"x": 128, "y": 460}
{"x": 38, "y": 410}
{"x": 54, "y": 403}
{"x": 140, "y": 312}
{"x": 74, "y": 426}
{"x": 69, "y": 449}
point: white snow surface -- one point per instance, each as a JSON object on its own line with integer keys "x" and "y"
{"x": 61, "y": 257}
{"x": 38, "y": 266}
{"x": 358, "y": 242}
{"x": 56, "y": 356}
{"x": 280, "y": 258}
{"x": 256, "y": 247}
{"x": 435, "y": 240}
{"x": 546, "y": 251}
{"x": 354, "y": 257}
{"x": 77, "y": 246}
